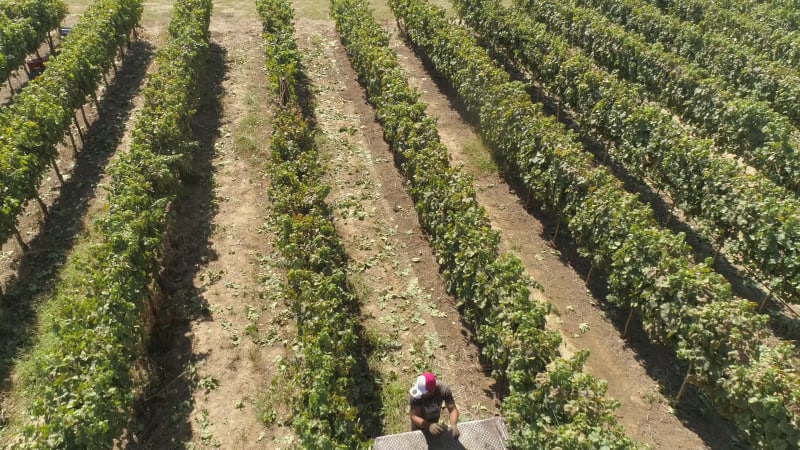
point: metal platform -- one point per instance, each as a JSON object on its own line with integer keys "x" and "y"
{"x": 487, "y": 434}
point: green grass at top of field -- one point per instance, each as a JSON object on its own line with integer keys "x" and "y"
{"x": 311, "y": 9}
{"x": 320, "y": 9}
{"x": 156, "y": 13}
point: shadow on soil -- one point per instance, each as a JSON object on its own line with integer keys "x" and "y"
{"x": 367, "y": 387}
{"x": 784, "y": 322}
{"x": 660, "y": 362}
{"x": 38, "y": 267}
{"x": 367, "y": 382}
{"x": 162, "y": 413}
{"x": 467, "y": 330}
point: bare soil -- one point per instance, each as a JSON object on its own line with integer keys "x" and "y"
{"x": 27, "y": 275}
{"x": 215, "y": 356}
{"x": 404, "y": 300}
{"x": 217, "y": 345}
{"x": 641, "y": 376}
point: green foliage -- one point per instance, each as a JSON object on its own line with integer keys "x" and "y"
{"x": 492, "y": 290}
{"x": 565, "y": 409}
{"x": 39, "y": 117}
{"x": 755, "y": 220}
{"x": 326, "y": 414}
{"x": 761, "y": 37}
{"x": 743, "y": 125}
{"x": 80, "y": 375}
{"x": 745, "y": 70}
{"x": 23, "y": 26}
{"x": 682, "y": 304}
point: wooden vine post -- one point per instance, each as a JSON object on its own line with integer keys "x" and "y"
{"x": 50, "y": 44}
{"x": 589, "y": 275}
{"x": 20, "y": 241}
{"x": 80, "y": 133}
{"x": 72, "y": 139}
{"x": 85, "y": 120}
{"x": 58, "y": 172}
{"x": 628, "y": 322}
{"x": 684, "y": 385}
{"x": 41, "y": 203}
{"x": 671, "y": 210}
{"x": 765, "y": 302}
{"x": 96, "y": 103}
{"x": 555, "y": 234}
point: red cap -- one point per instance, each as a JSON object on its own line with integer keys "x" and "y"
{"x": 430, "y": 381}
{"x": 425, "y": 383}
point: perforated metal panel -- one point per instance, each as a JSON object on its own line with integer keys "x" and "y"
{"x": 488, "y": 434}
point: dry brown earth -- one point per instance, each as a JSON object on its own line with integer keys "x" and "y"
{"x": 225, "y": 325}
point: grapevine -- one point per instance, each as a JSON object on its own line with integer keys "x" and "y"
{"x": 544, "y": 406}
{"x": 80, "y": 375}
{"x": 756, "y": 222}
{"x": 23, "y": 27}
{"x": 327, "y": 414}
{"x": 40, "y": 116}
{"x": 684, "y": 305}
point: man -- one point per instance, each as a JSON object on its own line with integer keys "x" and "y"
{"x": 425, "y": 405}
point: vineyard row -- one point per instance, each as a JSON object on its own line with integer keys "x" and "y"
{"x": 550, "y": 402}
{"x": 80, "y": 377}
{"x": 683, "y": 305}
{"x": 756, "y": 222}
{"x": 23, "y": 27}
{"x": 40, "y": 116}
{"x": 743, "y": 126}
{"x": 328, "y": 412}
{"x": 748, "y": 73}
{"x": 767, "y": 37}
{"x": 778, "y": 14}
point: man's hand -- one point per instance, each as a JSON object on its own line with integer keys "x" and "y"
{"x": 454, "y": 430}
{"x": 435, "y": 429}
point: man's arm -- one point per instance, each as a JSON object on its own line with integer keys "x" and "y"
{"x": 416, "y": 418}
{"x": 419, "y": 422}
{"x": 451, "y": 408}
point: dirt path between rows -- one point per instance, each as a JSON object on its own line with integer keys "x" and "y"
{"x": 27, "y": 275}
{"x": 630, "y": 366}
{"x": 215, "y": 352}
{"x": 224, "y": 324}
{"x": 405, "y": 306}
